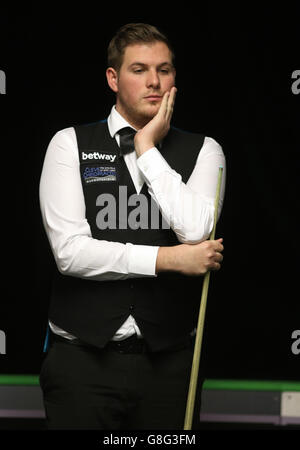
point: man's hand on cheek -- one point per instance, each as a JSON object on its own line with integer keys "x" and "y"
{"x": 158, "y": 127}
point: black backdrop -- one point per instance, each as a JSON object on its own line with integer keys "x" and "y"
{"x": 234, "y": 79}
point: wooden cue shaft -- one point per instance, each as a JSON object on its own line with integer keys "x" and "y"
{"x": 198, "y": 341}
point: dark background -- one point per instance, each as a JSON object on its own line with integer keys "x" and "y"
{"x": 234, "y": 69}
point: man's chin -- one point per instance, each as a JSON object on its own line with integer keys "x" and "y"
{"x": 142, "y": 115}
{"x": 151, "y": 110}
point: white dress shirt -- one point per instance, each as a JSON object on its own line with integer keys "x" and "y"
{"x": 187, "y": 208}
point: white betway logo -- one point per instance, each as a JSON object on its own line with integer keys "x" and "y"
{"x": 96, "y": 155}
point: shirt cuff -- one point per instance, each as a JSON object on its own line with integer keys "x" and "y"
{"x": 142, "y": 259}
{"x": 152, "y": 164}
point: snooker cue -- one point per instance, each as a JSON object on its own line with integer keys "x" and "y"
{"x": 199, "y": 333}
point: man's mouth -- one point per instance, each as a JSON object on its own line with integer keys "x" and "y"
{"x": 153, "y": 98}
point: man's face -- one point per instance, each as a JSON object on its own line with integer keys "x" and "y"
{"x": 146, "y": 74}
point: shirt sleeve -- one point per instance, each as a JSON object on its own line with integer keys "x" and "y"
{"x": 62, "y": 204}
{"x": 187, "y": 208}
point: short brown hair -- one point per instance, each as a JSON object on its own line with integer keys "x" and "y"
{"x": 130, "y": 34}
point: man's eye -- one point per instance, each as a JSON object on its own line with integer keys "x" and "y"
{"x": 138, "y": 70}
{"x": 164, "y": 71}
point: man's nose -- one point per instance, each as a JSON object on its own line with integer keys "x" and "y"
{"x": 153, "y": 79}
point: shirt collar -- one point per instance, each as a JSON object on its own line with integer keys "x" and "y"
{"x": 116, "y": 122}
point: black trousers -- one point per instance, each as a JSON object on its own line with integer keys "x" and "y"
{"x": 88, "y": 388}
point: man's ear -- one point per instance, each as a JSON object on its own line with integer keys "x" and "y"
{"x": 112, "y": 79}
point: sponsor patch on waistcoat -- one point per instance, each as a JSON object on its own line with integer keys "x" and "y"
{"x": 98, "y": 156}
{"x": 94, "y": 174}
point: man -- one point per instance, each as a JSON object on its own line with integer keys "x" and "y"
{"x": 127, "y": 222}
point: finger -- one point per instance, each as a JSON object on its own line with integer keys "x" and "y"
{"x": 216, "y": 266}
{"x": 218, "y": 257}
{"x": 164, "y": 105}
{"x": 171, "y": 102}
{"x": 218, "y": 246}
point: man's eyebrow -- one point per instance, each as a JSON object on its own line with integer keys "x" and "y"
{"x": 137, "y": 63}
{"x": 167, "y": 63}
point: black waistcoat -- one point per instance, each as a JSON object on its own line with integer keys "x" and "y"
{"x": 165, "y": 307}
